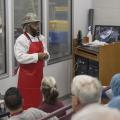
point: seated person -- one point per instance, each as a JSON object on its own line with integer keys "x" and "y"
{"x": 50, "y": 95}
{"x": 14, "y": 103}
{"x": 85, "y": 90}
{"x": 115, "y": 103}
{"x": 97, "y": 112}
{"x": 114, "y": 89}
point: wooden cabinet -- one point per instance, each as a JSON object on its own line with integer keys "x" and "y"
{"x": 101, "y": 62}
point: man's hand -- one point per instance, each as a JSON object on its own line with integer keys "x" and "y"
{"x": 45, "y": 56}
{"x": 42, "y": 56}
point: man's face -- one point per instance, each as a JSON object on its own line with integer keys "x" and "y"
{"x": 35, "y": 28}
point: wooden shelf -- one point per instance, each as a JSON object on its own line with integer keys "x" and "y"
{"x": 107, "y": 56}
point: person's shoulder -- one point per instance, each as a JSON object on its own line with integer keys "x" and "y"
{"x": 35, "y": 111}
{"x": 42, "y": 37}
{"x": 32, "y": 109}
{"x": 61, "y": 103}
{"x": 21, "y": 37}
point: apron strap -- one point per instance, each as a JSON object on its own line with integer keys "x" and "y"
{"x": 38, "y": 39}
{"x": 25, "y": 33}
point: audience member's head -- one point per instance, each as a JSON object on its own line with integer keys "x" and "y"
{"x": 115, "y": 85}
{"x": 13, "y": 99}
{"x": 49, "y": 90}
{"x": 115, "y": 103}
{"x": 97, "y": 112}
{"x": 86, "y": 90}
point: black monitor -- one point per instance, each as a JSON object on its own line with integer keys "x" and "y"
{"x": 107, "y": 33}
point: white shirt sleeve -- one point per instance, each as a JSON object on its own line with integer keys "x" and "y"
{"x": 21, "y": 48}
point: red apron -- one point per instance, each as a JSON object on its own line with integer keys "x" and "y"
{"x": 30, "y": 76}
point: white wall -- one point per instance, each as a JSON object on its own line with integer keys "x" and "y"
{"x": 8, "y": 82}
{"x": 80, "y": 15}
{"x": 61, "y": 71}
{"x": 63, "y": 74}
{"x": 107, "y": 12}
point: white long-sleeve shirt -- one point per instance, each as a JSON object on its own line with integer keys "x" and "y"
{"x": 21, "y": 49}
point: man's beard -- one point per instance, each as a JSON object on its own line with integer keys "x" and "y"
{"x": 34, "y": 32}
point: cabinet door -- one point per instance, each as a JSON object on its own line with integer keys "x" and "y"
{"x": 81, "y": 65}
{"x": 86, "y": 66}
{"x": 93, "y": 68}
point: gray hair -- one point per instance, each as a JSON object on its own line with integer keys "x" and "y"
{"x": 86, "y": 88}
{"x": 97, "y": 112}
{"x": 49, "y": 90}
{"x": 48, "y": 82}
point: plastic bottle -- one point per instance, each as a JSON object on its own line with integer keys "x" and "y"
{"x": 89, "y": 35}
{"x": 79, "y": 37}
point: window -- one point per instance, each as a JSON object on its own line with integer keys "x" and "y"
{"x": 59, "y": 29}
{"x": 3, "y": 58}
{"x": 21, "y": 8}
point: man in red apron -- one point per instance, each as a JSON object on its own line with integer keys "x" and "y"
{"x": 30, "y": 51}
